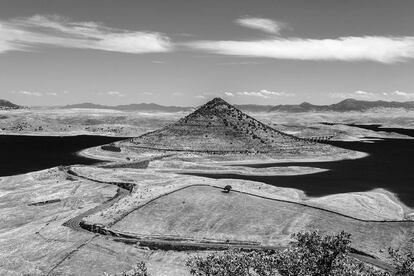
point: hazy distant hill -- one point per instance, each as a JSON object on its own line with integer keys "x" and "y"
{"x": 132, "y": 107}
{"x": 343, "y": 106}
{"x": 254, "y": 107}
{"x": 162, "y": 108}
{"x": 8, "y": 105}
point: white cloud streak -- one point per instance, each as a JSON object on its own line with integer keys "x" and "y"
{"x": 38, "y": 94}
{"x": 25, "y": 34}
{"x": 262, "y": 24}
{"x": 401, "y": 94}
{"x": 115, "y": 93}
{"x": 364, "y": 95}
{"x": 266, "y": 94}
{"x": 22, "y": 34}
{"x": 369, "y": 48}
{"x": 359, "y": 94}
{"x": 28, "y": 93}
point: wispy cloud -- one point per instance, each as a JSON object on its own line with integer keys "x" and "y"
{"x": 115, "y": 93}
{"x": 359, "y": 94}
{"x": 384, "y": 49}
{"x": 25, "y": 33}
{"x": 28, "y": 93}
{"x": 266, "y": 94}
{"x": 365, "y": 95}
{"x": 38, "y": 94}
{"x": 400, "y": 94}
{"x": 262, "y": 24}
{"x": 200, "y": 96}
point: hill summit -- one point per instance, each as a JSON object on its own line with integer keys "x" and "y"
{"x": 219, "y": 127}
{"x": 8, "y": 105}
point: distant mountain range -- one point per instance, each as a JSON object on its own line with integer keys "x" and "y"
{"x": 254, "y": 107}
{"x": 8, "y": 105}
{"x": 343, "y": 106}
{"x": 133, "y": 107}
{"x": 161, "y": 108}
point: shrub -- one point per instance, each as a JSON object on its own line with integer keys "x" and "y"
{"x": 309, "y": 255}
{"x": 139, "y": 270}
{"x": 402, "y": 262}
{"x": 313, "y": 254}
{"x": 230, "y": 263}
{"x": 227, "y": 189}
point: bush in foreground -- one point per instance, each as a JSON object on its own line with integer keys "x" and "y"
{"x": 139, "y": 270}
{"x": 309, "y": 255}
{"x": 403, "y": 262}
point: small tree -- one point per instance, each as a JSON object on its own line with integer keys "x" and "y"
{"x": 227, "y": 189}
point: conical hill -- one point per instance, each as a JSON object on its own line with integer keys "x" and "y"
{"x": 218, "y": 126}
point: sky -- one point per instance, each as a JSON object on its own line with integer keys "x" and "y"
{"x": 184, "y": 53}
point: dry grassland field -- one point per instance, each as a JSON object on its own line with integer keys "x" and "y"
{"x": 157, "y": 196}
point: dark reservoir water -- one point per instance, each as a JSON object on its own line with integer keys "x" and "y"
{"x": 22, "y": 154}
{"x": 379, "y": 127}
{"x": 390, "y": 165}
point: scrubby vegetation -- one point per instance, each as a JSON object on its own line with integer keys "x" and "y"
{"x": 139, "y": 270}
{"x": 311, "y": 254}
{"x": 403, "y": 262}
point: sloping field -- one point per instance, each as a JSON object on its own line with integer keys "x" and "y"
{"x": 206, "y": 213}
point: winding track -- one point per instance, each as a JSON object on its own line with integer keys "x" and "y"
{"x": 164, "y": 243}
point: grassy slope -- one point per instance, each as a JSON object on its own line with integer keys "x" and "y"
{"x": 205, "y": 212}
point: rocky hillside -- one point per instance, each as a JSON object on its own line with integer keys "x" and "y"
{"x": 4, "y": 105}
{"x": 219, "y": 127}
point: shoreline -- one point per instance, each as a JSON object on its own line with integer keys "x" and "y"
{"x": 63, "y": 134}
